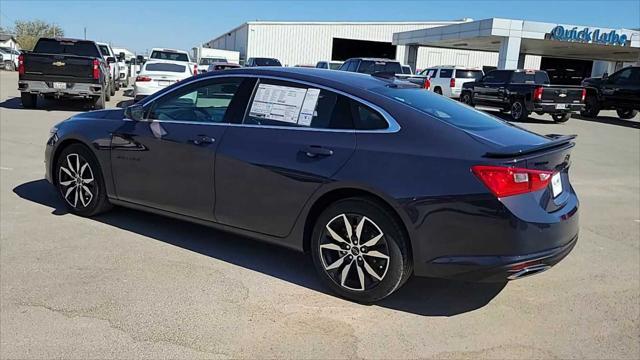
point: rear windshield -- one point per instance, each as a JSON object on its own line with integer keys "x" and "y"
{"x": 168, "y": 67}
{"x": 169, "y": 55}
{"x": 104, "y": 49}
{"x": 79, "y": 48}
{"x": 370, "y": 67}
{"x": 469, "y": 74}
{"x": 209, "y": 61}
{"x": 440, "y": 107}
{"x": 267, "y": 62}
{"x": 406, "y": 70}
{"x": 530, "y": 77}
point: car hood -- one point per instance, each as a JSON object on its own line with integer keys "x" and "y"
{"x": 115, "y": 114}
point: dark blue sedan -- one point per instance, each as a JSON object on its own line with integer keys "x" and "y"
{"x": 374, "y": 177}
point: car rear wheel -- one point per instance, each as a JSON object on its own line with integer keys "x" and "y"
{"x": 518, "y": 110}
{"x": 100, "y": 100}
{"x": 112, "y": 89}
{"x": 560, "y": 118}
{"x": 360, "y": 251}
{"x": 29, "y": 101}
{"x": 9, "y": 65}
{"x": 626, "y": 113}
{"x": 79, "y": 181}
{"x": 437, "y": 91}
{"x": 591, "y": 107}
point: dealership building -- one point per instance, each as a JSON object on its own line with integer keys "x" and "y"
{"x": 568, "y": 52}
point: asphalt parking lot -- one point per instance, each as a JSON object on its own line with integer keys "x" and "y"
{"x": 133, "y": 285}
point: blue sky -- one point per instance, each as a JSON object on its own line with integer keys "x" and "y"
{"x": 140, "y": 25}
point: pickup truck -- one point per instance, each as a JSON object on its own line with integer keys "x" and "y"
{"x": 619, "y": 91}
{"x": 60, "y": 67}
{"x": 521, "y": 92}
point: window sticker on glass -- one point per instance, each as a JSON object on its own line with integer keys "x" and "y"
{"x": 283, "y": 103}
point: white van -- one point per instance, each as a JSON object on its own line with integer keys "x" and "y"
{"x": 447, "y": 80}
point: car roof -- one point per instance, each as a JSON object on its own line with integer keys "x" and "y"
{"x": 373, "y": 59}
{"x": 350, "y": 82}
{"x": 169, "y": 50}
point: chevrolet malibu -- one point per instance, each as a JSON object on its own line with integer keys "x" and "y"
{"x": 374, "y": 177}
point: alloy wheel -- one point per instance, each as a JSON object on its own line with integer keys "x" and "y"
{"x": 354, "y": 252}
{"x": 516, "y": 110}
{"x": 76, "y": 181}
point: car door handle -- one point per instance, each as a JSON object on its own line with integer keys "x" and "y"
{"x": 202, "y": 140}
{"x": 315, "y": 151}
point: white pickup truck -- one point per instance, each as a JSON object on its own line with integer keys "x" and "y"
{"x": 208, "y": 56}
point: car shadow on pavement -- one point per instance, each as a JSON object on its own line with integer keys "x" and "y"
{"x": 50, "y": 105}
{"x": 609, "y": 120}
{"x": 421, "y": 296}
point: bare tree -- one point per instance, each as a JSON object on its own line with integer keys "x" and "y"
{"x": 29, "y": 31}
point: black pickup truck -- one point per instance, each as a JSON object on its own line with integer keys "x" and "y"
{"x": 60, "y": 67}
{"x": 619, "y": 91}
{"x": 522, "y": 92}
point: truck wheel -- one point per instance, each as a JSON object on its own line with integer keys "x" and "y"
{"x": 591, "y": 107}
{"x": 107, "y": 93}
{"x": 465, "y": 98}
{"x": 100, "y": 100}
{"x": 560, "y": 118}
{"x": 437, "y": 91}
{"x": 518, "y": 110}
{"x": 626, "y": 113}
{"x": 29, "y": 101}
{"x": 112, "y": 90}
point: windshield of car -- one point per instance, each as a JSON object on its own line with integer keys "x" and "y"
{"x": 334, "y": 66}
{"x": 370, "y": 67}
{"x": 209, "y": 61}
{"x": 166, "y": 67}
{"x": 530, "y": 77}
{"x": 469, "y": 74}
{"x": 169, "y": 55}
{"x": 78, "y": 48}
{"x": 442, "y": 108}
{"x": 267, "y": 62}
{"x": 104, "y": 49}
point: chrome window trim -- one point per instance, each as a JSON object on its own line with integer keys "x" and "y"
{"x": 393, "y": 125}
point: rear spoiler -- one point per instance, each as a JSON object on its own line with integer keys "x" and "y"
{"x": 519, "y": 150}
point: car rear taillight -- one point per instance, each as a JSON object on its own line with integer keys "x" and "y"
{"x": 426, "y": 84}
{"x": 508, "y": 181}
{"x": 584, "y": 95}
{"x": 537, "y": 93}
{"x": 195, "y": 69}
{"x": 143, "y": 78}
{"x": 452, "y": 82}
{"x": 96, "y": 69}
{"x": 21, "y": 64}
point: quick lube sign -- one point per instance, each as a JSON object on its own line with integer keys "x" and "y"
{"x": 585, "y": 35}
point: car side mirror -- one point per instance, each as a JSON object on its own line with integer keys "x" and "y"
{"x": 135, "y": 112}
{"x": 111, "y": 59}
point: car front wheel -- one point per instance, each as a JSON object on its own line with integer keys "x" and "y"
{"x": 79, "y": 181}
{"x": 466, "y": 98}
{"x": 360, "y": 250}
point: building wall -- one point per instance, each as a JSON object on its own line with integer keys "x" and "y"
{"x": 308, "y": 43}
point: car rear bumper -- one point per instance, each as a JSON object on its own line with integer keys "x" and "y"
{"x": 46, "y": 87}
{"x": 552, "y": 108}
{"x": 484, "y": 239}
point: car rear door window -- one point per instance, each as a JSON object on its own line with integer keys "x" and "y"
{"x": 468, "y": 74}
{"x": 446, "y": 73}
{"x": 204, "y": 101}
{"x": 366, "y": 118}
{"x": 289, "y": 104}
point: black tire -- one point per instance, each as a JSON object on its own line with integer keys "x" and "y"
{"x": 391, "y": 269}
{"x": 117, "y": 87}
{"x": 540, "y": 113}
{"x": 626, "y": 114}
{"x": 591, "y": 107}
{"x": 79, "y": 181}
{"x": 100, "y": 101}
{"x": 437, "y": 91}
{"x": 107, "y": 94}
{"x": 29, "y": 101}
{"x": 112, "y": 89}
{"x": 518, "y": 110}
{"x": 466, "y": 98}
{"x": 560, "y": 118}
{"x": 10, "y": 65}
